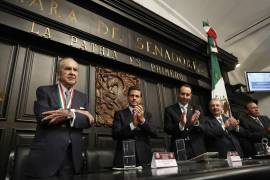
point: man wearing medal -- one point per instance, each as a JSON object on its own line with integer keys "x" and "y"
{"x": 61, "y": 113}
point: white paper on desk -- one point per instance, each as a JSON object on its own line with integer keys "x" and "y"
{"x": 234, "y": 159}
{"x": 164, "y": 171}
{"x": 163, "y": 159}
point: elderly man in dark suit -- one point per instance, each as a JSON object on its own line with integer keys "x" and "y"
{"x": 222, "y": 132}
{"x": 133, "y": 123}
{"x": 257, "y": 126}
{"x": 181, "y": 121}
{"x": 61, "y": 113}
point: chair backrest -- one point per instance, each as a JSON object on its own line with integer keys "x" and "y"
{"x": 21, "y": 153}
{"x": 99, "y": 159}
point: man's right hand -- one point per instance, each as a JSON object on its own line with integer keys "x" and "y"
{"x": 182, "y": 119}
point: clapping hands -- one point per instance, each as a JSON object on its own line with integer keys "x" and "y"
{"x": 138, "y": 115}
{"x": 60, "y": 115}
{"x": 195, "y": 117}
{"x": 232, "y": 122}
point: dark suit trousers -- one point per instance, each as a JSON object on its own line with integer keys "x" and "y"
{"x": 67, "y": 167}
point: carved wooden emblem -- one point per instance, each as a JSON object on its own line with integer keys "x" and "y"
{"x": 111, "y": 93}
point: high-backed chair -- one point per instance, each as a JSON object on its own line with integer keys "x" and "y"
{"x": 99, "y": 159}
{"x": 17, "y": 159}
{"x": 16, "y": 162}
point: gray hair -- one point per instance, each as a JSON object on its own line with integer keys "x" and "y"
{"x": 59, "y": 65}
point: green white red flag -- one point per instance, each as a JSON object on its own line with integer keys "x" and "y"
{"x": 218, "y": 85}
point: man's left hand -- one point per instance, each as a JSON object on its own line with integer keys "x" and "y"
{"x": 56, "y": 116}
{"x": 195, "y": 117}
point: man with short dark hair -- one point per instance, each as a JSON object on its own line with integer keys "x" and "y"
{"x": 133, "y": 123}
{"x": 257, "y": 125}
{"x": 61, "y": 113}
{"x": 181, "y": 121}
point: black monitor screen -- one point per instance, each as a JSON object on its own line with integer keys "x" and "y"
{"x": 258, "y": 81}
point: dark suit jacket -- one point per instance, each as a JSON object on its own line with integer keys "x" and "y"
{"x": 219, "y": 140}
{"x": 121, "y": 131}
{"x": 196, "y": 144}
{"x": 51, "y": 141}
{"x": 255, "y": 132}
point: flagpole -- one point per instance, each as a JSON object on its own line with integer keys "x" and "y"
{"x": 217, "y": 81}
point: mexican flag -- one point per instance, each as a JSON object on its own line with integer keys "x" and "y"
{"x": 218, "y": 85}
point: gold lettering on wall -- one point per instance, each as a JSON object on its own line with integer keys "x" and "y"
{"x": 174, "y": 57}
{"x": 38, "y": 3}
{"x": 115, "y": 32}
{"x": 148, "y": 47}
{"x": 166, "y": 72}
{"x": 101, "y": 51}
{"x": 135, "y": 61}
{"x": 139, "y": 43}
{"x": 33, "y": 29}
{"x": 83, "y": 45}
{"x": 109, "y": 30}
{"x": 72, "y": 16}
{"x": 38, "y": 31}
{"x": 167, "y": 55}
{"x": 73, "y": 40}
{"x": 47, "y": 33}
{"x": 111, "y": 93}
{"x": 157, "y": 50}
{"x": 92, "y": 47}
{"x": 102, "y": 28}
{"x": 54, "y": 8}
{"x": 114, "y": 55}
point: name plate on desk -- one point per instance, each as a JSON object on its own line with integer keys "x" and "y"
{"x": 163, "y": 159}
{"x": 234, "y": 159}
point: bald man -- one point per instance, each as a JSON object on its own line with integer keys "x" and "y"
{"x": 61, "y": 113}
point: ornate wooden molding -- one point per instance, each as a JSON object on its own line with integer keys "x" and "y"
{"x": 111, "y": 93}
{"x": 1, "y": 96}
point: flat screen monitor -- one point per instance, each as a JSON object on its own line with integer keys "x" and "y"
{"x": 258, "y": 81}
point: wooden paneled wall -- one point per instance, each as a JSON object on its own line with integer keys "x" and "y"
{"x": 24, "y": 68}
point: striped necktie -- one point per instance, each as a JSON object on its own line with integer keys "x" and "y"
{"x": 220, "y": 120}
{"x": 259, "y": 122}
{"x": 184, "y": 113}
{"x": 67, "y": 93}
